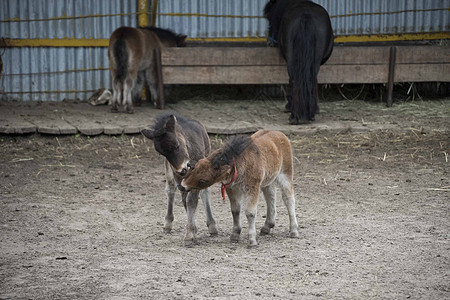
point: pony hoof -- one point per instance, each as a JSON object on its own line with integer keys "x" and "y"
{"x": 294, "y": 235}
{"x": 264, "y": 231}
{"x": 213, "y": 231}
{"x": 252, "y": 244}
{"x": 190, "y": 242}
{"x": 167, "y": 230}
{"x": 114, "y": 110}
{"x": 293, "y": 120}
{"x": 234, "y": 238}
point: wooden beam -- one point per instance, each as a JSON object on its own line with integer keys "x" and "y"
{"x": 422, "y": 72}
{"x": 271, "y": 74}
{"x": 422, "y": 54}
{"x": 264, "y": 56}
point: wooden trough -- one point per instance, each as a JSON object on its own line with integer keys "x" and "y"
{"x": 262, "y": 65}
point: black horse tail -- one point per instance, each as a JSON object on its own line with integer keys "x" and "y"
{"x": 303, "y": 69}
{"x": 121, "y": 57}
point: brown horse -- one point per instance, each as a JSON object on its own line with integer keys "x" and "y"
{"x": 181, "y": 140}
{"x": 248, "y": 165}
{"x": 132, "y": 62}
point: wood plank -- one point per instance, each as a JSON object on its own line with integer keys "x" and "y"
{"x": 225, "y": 75}
{"x": 242, "y": 56}
{"x": 264, "y": 56}
{"x": 422, "y": 72}
{"x": 335, "y": 74}
{"x": 271, "y": 74}
{"x": 223, "y": 56}
{"x": 423, "y": 54}
{"x": 13, "y": 123}
{"x": 374, "y": 55}
{"x": 85, "y": 124}
{"x": 51, "y": 123}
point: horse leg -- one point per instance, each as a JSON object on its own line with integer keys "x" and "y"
{"x": 152, "y": 83}
{"x": 235, "y": 204}
{"x": 250, "y": 213}
{"x": 171, "y": 189}
{"x": 137, "y": 90}
{"x": 116, "y": 98}
{"x": 210, "y": 222}
{"x": 288, "y": 107}
{"x": 270, "y": 197}
{"x": 129, "y": 85}
{"x": 287, "y": 193}
{"x": 191, "y": 207}
{"x": 316, "y": 96}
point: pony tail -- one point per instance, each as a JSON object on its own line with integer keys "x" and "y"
{"x": 121, "y": 57}
{"x": 303, "y": 70}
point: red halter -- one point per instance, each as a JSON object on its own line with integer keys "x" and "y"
{"x": 225, "y": 185}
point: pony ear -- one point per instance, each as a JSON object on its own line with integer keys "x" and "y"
{"x": 181, "y": 40}
{"x": 148, "y": 133}
{"x": 171, "y": 124}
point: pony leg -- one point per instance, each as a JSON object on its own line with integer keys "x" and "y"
{"x": 191, "y": 207}
{"x": 287, "y": 193}
{"x": 137, "y": 90}
{"x": 235, "y": 205}
{"x": 152, "y": 83}
{"x": 210, "y": 222}
{"x": 250, "y": 213}
{"x": 288, "y": 106}
{"x": 270, "y": 197}
{"x": 117, "y": 94}
{"x": 171, "y": 189}
{"x": 127, "y": 103}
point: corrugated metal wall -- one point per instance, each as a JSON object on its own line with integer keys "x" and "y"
{"x": 350, "y": 17}
{"x": 231, "y": 19}
{"x": 56, "y": 73}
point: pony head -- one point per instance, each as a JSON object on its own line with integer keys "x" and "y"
{"x": 170, "y": 143}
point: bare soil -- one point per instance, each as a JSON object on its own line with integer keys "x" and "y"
{"x": 81, "y": 218}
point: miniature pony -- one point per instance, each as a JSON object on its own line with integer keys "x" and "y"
{"x": 303, "y": 32}
{"x": 248, "y": 165}
{"x": 132, "y": 62}
{"x": 181, "y": 140}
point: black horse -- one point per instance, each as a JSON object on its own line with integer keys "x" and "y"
{"x": 302, "y": 30}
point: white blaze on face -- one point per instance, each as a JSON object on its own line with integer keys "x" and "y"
{"x": 184, "y": 166}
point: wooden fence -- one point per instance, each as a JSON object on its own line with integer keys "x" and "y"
{"x": 262, "y": 65}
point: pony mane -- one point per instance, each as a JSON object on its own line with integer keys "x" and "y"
{"x": 161, "y": 120}
{"x": 163, "y": 34}
{"x": 267, "y": 8}
{"x": 230, "y": 151}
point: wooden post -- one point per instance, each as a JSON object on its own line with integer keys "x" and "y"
{"x": 392, "y": 56}
{"x": 159, "y": 78}
{"x": 154, "y": 11}
{"x": 142, "y": 13}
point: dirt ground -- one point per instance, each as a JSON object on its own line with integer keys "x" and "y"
{"x": 81, "y": 218}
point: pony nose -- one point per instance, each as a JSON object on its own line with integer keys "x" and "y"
{"x": 181, "y": 188}
{"x": 183, "y": 172}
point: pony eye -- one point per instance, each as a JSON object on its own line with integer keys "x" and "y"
{"x": 202, "y": 182}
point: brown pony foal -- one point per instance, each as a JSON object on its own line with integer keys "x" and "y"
{"x": 132, "y": 62}
{"x": 248, "y": 165}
